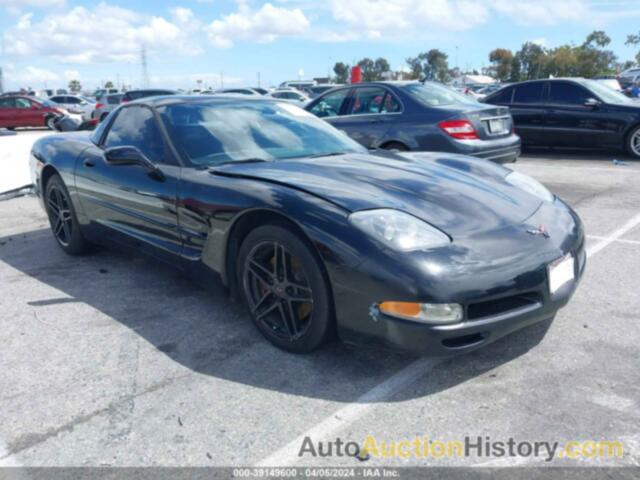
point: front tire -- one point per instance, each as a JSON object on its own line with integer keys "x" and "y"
{"x": 633, "y": 142}
{"x": 284, "y": 288}
{"x": 50, "y": 122}
{"x": 62, "y": 218}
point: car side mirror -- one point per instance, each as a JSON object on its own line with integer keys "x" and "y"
{"x": 127, "y": 155}
{"x": 592, "y": 103}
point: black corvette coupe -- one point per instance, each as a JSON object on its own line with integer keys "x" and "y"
{"x": 423, "y": 252}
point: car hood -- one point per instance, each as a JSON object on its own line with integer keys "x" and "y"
{"x": 458, "y": 194}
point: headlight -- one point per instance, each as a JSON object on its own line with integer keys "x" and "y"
{"x": 529, "y": 185}
{"x": 398, "y": 230}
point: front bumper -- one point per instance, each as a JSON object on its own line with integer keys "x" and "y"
{"x": 499, "y": 294}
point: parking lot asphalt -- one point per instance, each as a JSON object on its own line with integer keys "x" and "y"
{"x": 110, "y": 359}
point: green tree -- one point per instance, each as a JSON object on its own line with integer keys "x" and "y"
{"x": 532, "y": 59}
{"x": 109, "y": 84}
{"x": 368, "y": 68}
{"x": 516, "y": 70}
{"x": 502, "y": 62}
{"x": 74, "y": 86}
{"x": 381, "y": 65}
{"x": 431, "y": 65}
{"x": 342, "y": 72}
{"x": 600, "y": 38}
{"x": 634, "y": 40}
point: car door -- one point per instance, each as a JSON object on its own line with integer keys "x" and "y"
{"x": 331, "y": 106}
{"x": 571, "y": 121}
{"x": 7, "y": 112}
{"x": 369, "y": 114}
{"x": 28, "y": 113}
{"x": 128, "y": 202}
{"x": 60, "y": 100}
{"x": 527, "y": 110}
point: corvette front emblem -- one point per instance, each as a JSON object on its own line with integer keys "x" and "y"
{"x": 541, "y": 230}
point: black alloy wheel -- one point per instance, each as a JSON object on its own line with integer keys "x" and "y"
{"x": 284, "y": 289}
{"x": 62, "y": 218}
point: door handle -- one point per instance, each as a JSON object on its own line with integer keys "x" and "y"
{"x": 89, "y": 163}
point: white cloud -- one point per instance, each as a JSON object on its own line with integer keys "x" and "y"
{"x": 71, "y": 75}
{"x": 33, "y": 76}
{"x": 262, "y": 25}
{"x": 545, "y": 12}
{"x": 31, "y": 3}
{"x": 104, "y": 33}
{"x": 190, "y": 80}
{"x": 406, "y": 16}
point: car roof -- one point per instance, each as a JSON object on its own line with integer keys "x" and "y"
{"x": 164, "y": 100}
{"x": 150, "y": 90}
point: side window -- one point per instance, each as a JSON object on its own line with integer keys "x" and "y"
{"x": 72, "y": 100}
{"x": 23, "y": 103}
{"x": 565, "y": 93}
{"x": 57, "y": 99}
{"x": 528, "y": 93}
{"x": 7, "y": 103}
{"x": 367, "y": 101}
{"x": 502, "y": 96}
{"x": 329, "y": 105}
{"x": 137, "y": 127}
{"x": 390, "y": 104}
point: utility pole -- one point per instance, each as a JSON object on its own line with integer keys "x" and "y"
{"x": 259, "y": 80}
{"x": 145, "y": 71}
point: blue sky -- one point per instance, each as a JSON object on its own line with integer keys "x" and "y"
{"x": 48, "y": 42}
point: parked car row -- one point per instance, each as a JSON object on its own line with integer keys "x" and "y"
{"x": 418, "y": 116}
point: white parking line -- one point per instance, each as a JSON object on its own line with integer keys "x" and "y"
{"x": 613, "y": 169}
{"x": 288, "y": 455}
{"x": 609, "y": 239}
{"x": 618, "y": 240}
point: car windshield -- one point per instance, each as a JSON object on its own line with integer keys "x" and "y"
{"x": 216, "y": 132}
{"x": 433, "y": 94}
{"x": 607, "y": 94}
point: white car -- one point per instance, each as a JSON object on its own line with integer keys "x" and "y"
{"x": 629, "y": 77}
{"x": 75, "y": 104}
{"x": 291, "y": 96}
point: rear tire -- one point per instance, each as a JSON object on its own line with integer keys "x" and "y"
{"x": 633, "y": 142}
{"x": 400, "y": 147}
{"x": 284, "y": 288}
{"x": 62, "y": 218}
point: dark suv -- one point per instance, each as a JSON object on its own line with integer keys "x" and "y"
{"x": 419, "y": 116}
{"x": 572, "y": 112}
